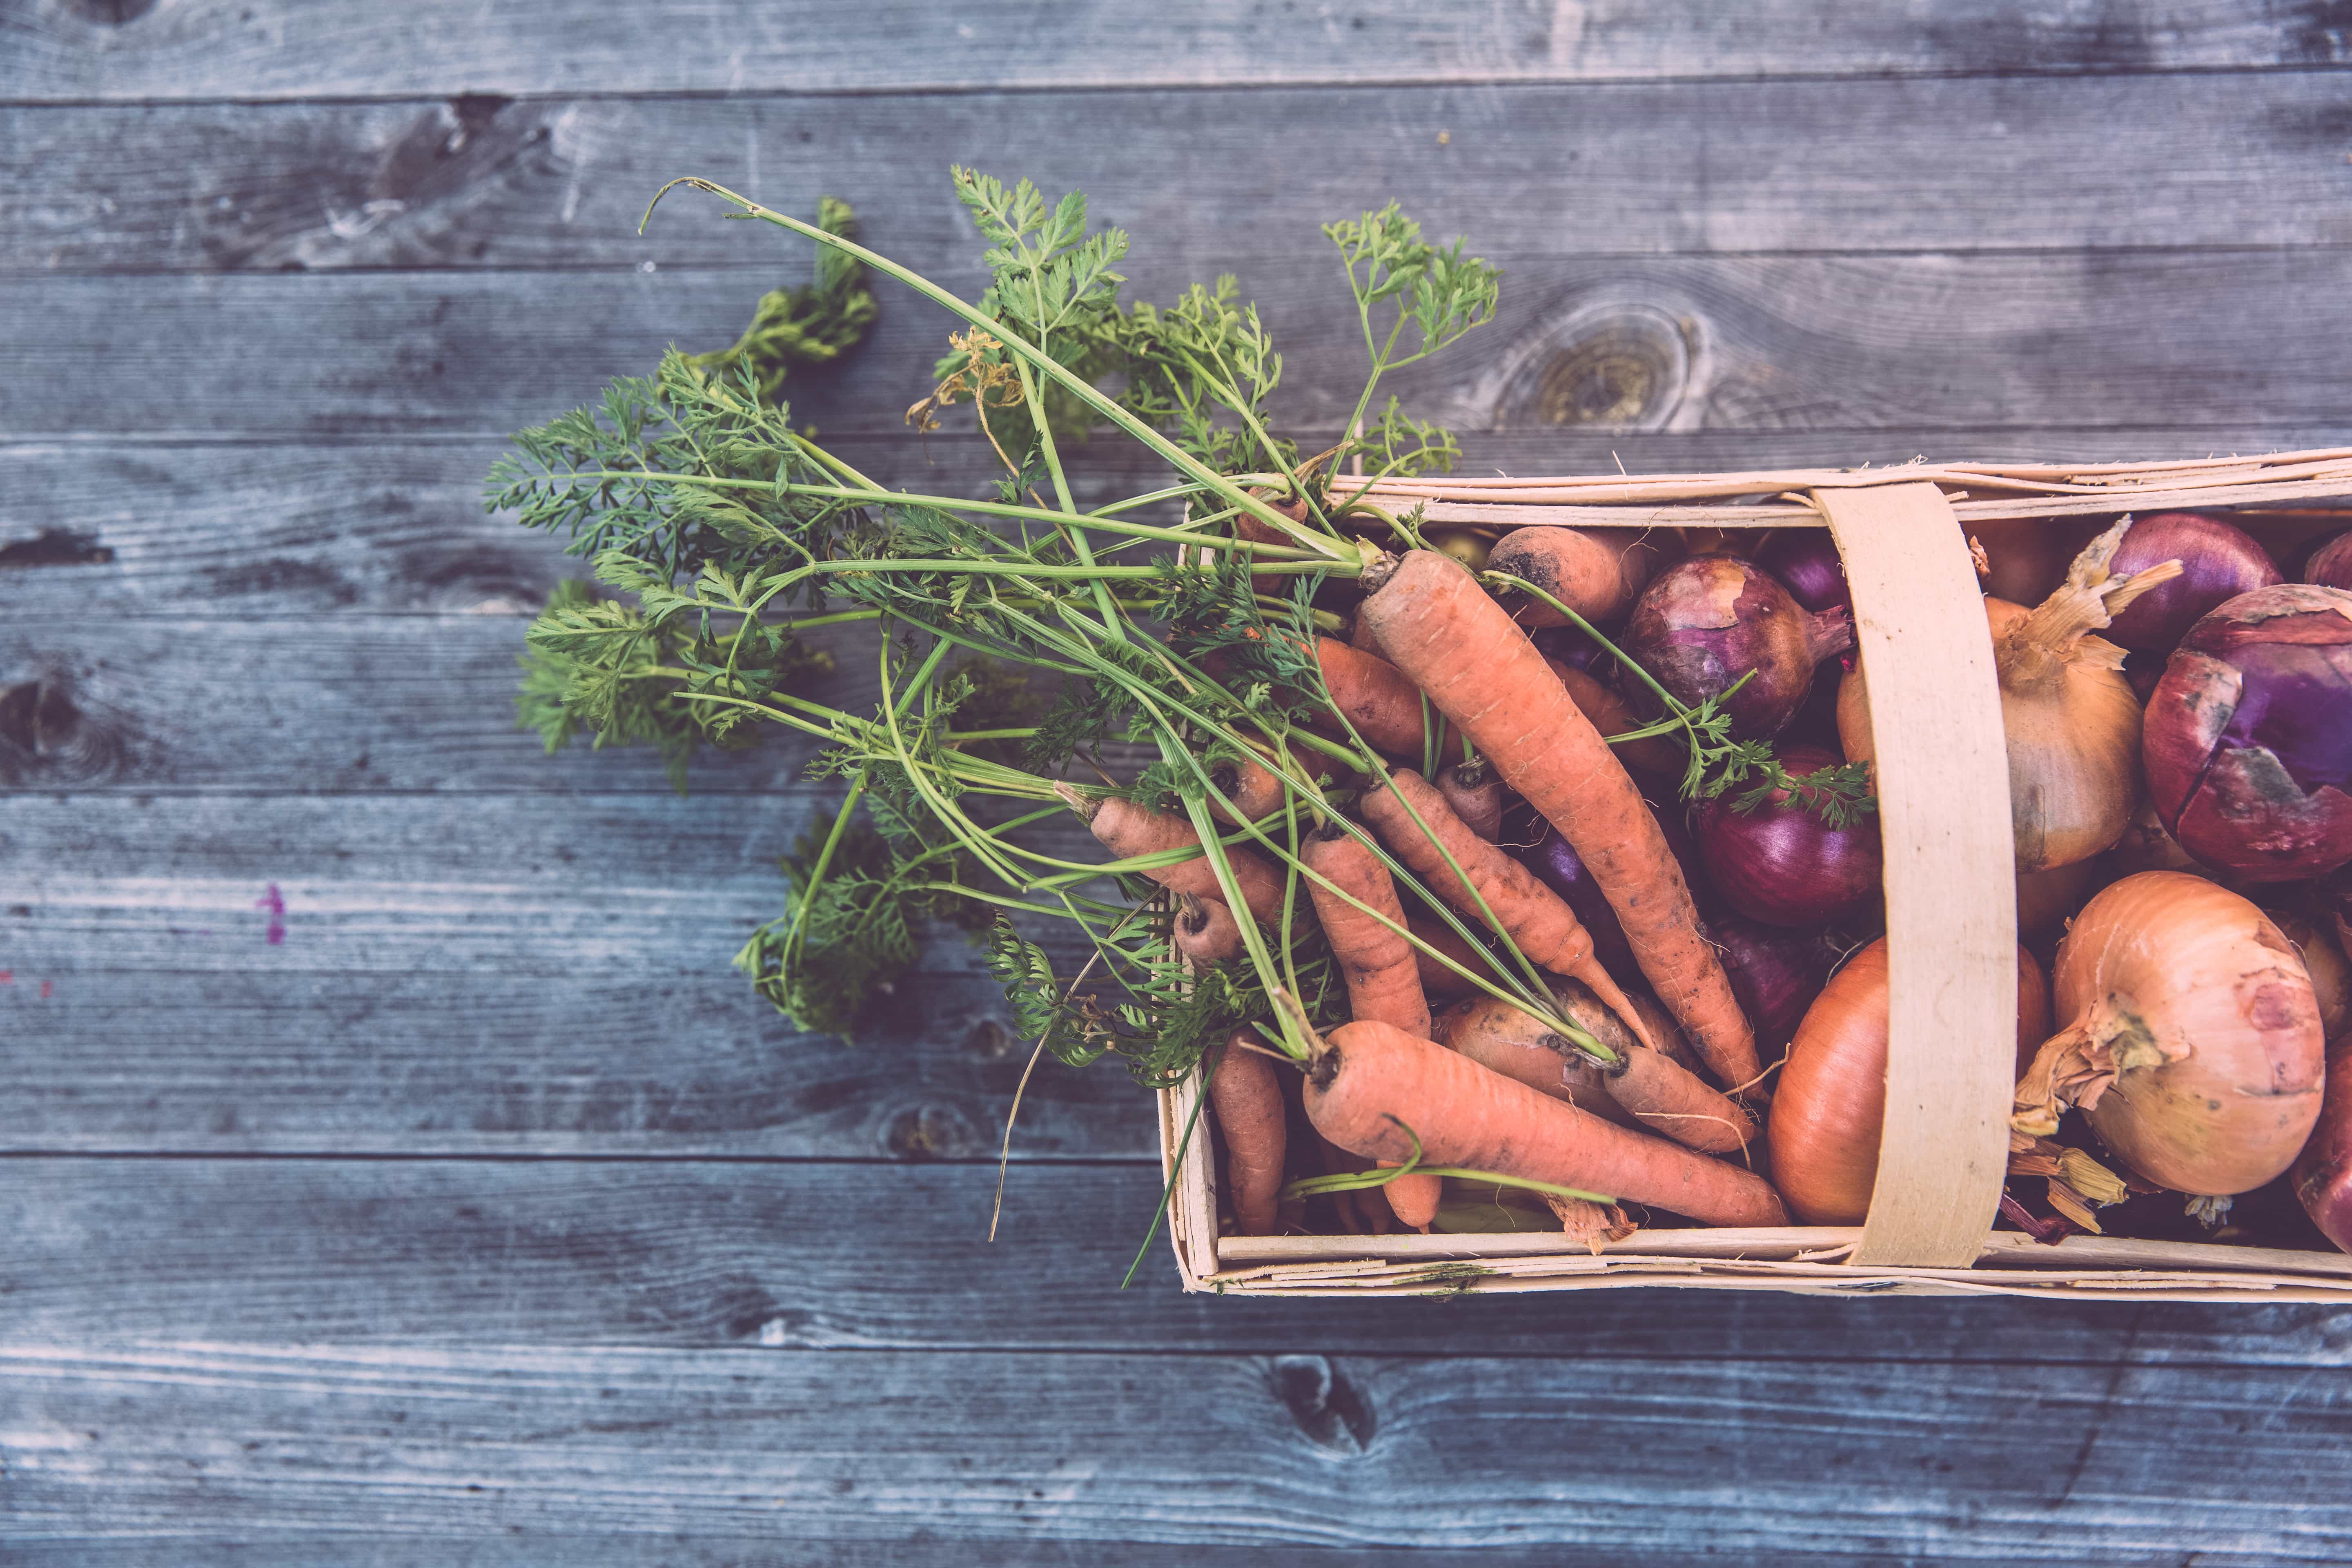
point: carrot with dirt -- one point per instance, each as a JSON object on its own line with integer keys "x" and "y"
{"x": 1129, "y": 830}
{"x": 1245, "y": 1095}
{"x": 1478, "y": 667}
{"x": 1205, "y": 931}
{"x": 1376, "y": 961}
{"x": 1476, "y": 794}
{"x": 1420, "y": 830}
{"x": 1385, "y": 1094}
{"x": 1385, "y": 708}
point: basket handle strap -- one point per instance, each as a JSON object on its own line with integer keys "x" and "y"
{"x": 1951, "y": 894}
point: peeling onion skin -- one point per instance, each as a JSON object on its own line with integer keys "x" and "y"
{"x": 2219, "y": 562}
{"x": 2330, "y": 565}
{"x": 2248, "y": 739}
{"x": 1706, "y": 621}
{"x": 2218, "y": 988}
{"x": 2322, "y": 1172}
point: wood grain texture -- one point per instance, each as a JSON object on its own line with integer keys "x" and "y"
{"x": 688, "y": 1253}
{"x": 213, "y": 1441}
{"x": 1860, "y": 343}
{"x": 75, "y": 50}
{"x": 391, "y": 527}
{"x": 560, "y": 183}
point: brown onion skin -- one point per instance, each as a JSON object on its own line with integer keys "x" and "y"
{"x": 2219, "y": 561}
{"x": 1780, "y": 863}
{"x": 2331, "y": 977}
{"x": 2322, "y": 1170}
{"x": 2210, "y": 976}
{"x": 1831, "y": 1106}
{"x": 2028, "y": 556}
{"x": 2248, "y": 739}
{"x": 2330, "y": 565}
{"x": 2046, "y": 898}
{"x": 1706, "y": 621}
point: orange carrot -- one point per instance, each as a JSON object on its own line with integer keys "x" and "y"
{"x": 1246, "y": 1097}
{"x": 1377, "y": 964}
{"x": 1598, "y": 578}
{"x": 1384, "y": 707}
{"x": 1363, "y": 1211}
{"x": 1527, "y": 911}
{"x": 1501, "y": 1039}
{"x": 1128, "y": 829}
{"x": 1610, "y": 716}
{"x": 1205, "y": 931}
{"x": 1476, "y": 797}
{"x": 1371, "y": 1082}
{"x": 1460, "y": 647}
{"x": 1253, "y": 788}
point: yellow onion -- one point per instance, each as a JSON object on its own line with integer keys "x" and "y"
{"x": 2073, "y": 724}
{"x": 2192, "y": 1039}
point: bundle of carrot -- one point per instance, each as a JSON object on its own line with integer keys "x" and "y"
{"x": 1487, "y": 874}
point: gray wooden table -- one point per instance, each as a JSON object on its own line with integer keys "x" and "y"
{"x": 395, "y": 1174}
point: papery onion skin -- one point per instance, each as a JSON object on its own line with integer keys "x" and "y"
{"x": 2219, "y": 561}
{"x": 1775, "y": 973}
{"x": 2331, "y": 978}
{"x": 1830, "y": 1108}
{"x": 2322, "y": 1172}
{"x": 2330, "y": 565}
{"x": 2046, "y": 898}
{"x": 1805, "y": 561}
{"x": 1780, "y": 863}
{"x": 1705, "y": 622}
{"x": 2248, "y": 739}
{"x": 2206, "y": 980}
{"x": 2027, "y": 555}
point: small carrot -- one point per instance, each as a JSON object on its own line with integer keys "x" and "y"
{"x": 1126, "y": 830}
{"x": 1205, "y": 931}
{"x": 1377, "y": 964}
{"x": 1499, "y": 1037}
{"x": 1461, "y": 647}
{"x": 1363, "y": 1211}
{"x": 1373, "y": 1088}
{"x": 1245, "y": 1094}
{"x": 1610, "y": 715}
{"x": 1255, "y": 789}
{"x": 1534, "y": 917}
{"x": 1476, "y": 794}
{"x": 1599, "y": 578}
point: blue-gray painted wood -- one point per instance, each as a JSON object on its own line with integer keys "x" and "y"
{"x": 485, "y": 1218}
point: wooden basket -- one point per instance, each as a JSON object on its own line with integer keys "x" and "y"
{"x": 1952, "y": 928}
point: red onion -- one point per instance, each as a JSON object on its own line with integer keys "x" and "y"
{"x": 2248, "y": 739}
{"x": 1705, "y": 622}
{"x": 2322, "y": 1172}
{"x": 1775, "y": 973}
{"x": 2219, "y": 561}
{"x": 1806, "y": 562}
{"x": 1780, "y": 863}
{"x": 2330, "y": 565}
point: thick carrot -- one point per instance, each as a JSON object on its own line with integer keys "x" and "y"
{"x": 1460, "y": 647}
{"x": 1476, "y": 797}
{"x": 1128, "y": 829}
{"x": 1371, "y": 1082}
{"x": 1501, "y": 1039}
{"x": 1206, "y": 933}
{"x": 1598, "y": 578}
{"x": 1529, "y": 913}
{"x": 1377, "y": 964}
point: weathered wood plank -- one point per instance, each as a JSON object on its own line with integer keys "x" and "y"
{"x": 377, "y": 527}
{"x": 1857, "y": 343}
{"x": 927, "y": 1547}
{"x": 279, "y": 48}
{"x": 1862, "y": 165}
{"x": 683, "y": 1253}
{"x": 1899, "y": 1462}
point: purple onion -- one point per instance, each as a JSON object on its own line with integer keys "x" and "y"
{"x": 1566, "y": 643}
{"x": 1780, "y": 863}
{"x": 1775, "y": 975}
{"x": 2248, "y": 739}
{"x": 1806, "y": 564}
{"x": 2330, "y": 565}
{"x": 2219, "y": 561}
{"x": 1705, "y": 622}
